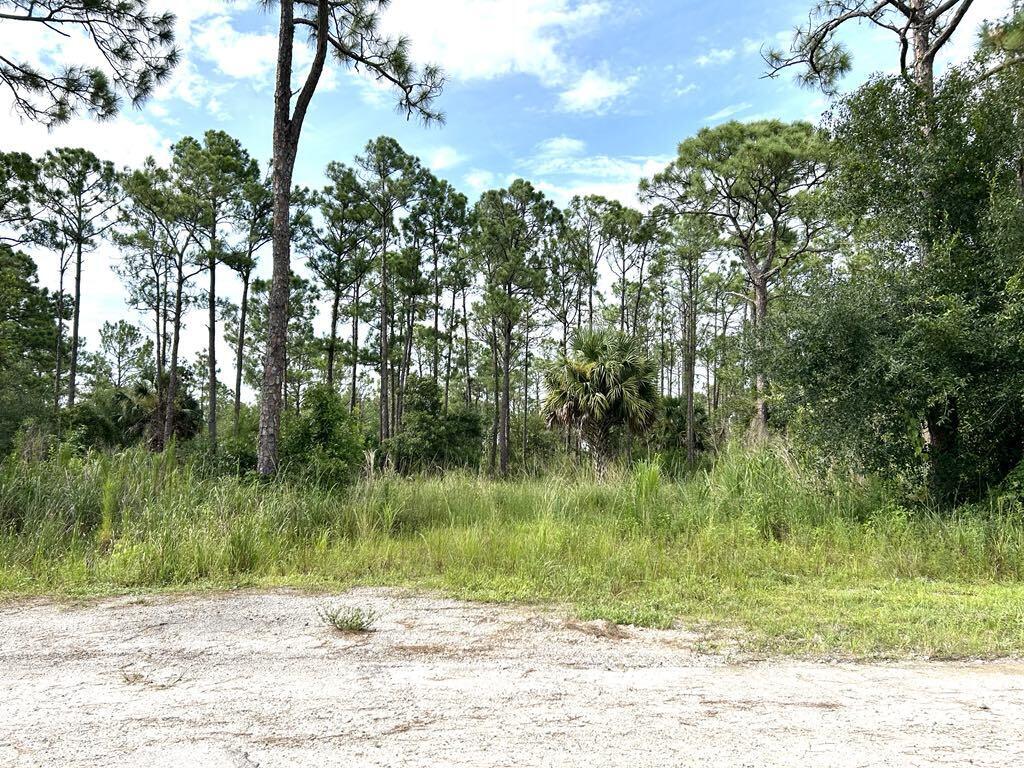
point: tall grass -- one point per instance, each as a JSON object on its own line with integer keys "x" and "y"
{"x": 755, "y": 549}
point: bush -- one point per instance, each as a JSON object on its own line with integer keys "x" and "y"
{"x": 432, "y": 439}
{"x": 323, "y": 443}
{"x": 669, "y": 438}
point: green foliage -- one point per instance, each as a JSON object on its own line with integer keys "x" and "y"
{"x": 28, "y": 334}
{"x": 135, "y": 48}
{"x": 608, "y": 384}
{"x": 322, "y": 444}
{"x": 432, "y": 440}
{"x": 347, "y": 619}
{"x": 908, "y": 359}
{"x": 18, "y": 176}
{"x": 787, "y": 557}
{"x": 669, "y": 435}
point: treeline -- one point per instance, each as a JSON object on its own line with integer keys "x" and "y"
{"x": 418, "y": 290}
{"x": 856, "y": 285}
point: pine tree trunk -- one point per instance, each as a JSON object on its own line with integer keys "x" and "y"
{"x": 504, "y": 425}
{"x": 287, "y": 131}
{"x": 60, "y": 341}
{"x": 435, "y": 369}
{"x": 170, "y": 415}
{"x": 159, "y": 309}
{"x": 496, "y": 422}
{"x": 385, "y": 351}
{"x": 526, "y": 390}
{"x": 760, "y": 319}
{"x": 332, "y": 341}
{"x": 355, "y": 350}
{"x": 211, "y": 418}
{"x": 465, "y": 331}
{"x": 243, "y": 315}
{"x": 73, "y": 372}
{"x": 448, "y": 356}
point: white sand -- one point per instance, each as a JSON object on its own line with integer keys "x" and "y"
{"x": 255, "y": 679}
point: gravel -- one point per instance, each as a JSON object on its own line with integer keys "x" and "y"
{"x": 247, "y": 679}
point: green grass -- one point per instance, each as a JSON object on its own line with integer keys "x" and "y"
{"x": 347, "y": 620}
{"x": 755, "y": 551}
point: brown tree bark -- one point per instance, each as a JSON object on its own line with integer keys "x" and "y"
{"x": 76, "y": 316}
{"x": 287, "y": 131}
{"x": 243, "y": 316}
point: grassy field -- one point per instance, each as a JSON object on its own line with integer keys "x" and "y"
{"x": 754, "y": 551}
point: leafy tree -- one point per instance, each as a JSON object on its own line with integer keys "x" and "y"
{"x": 608, "y": 383}
{"x": 586, "y": 218}
{"x": 124, "y": 352}
{"x": 76, "y": 195}
{"x": 513, "y": 227}
{"x": 322, "y": 442}
{"x": 135, "y": 45}
{"x": 213, "y": 174}
{"x": 631, "y": 239}
{"x": 337, "y": 251}
{"x": 303, "y": 346}
{"x": 391, "y": 178}
{"x": 918, "y": 358}
{"x": 155, "y": 193}
{"x": 348, "y": 29}
{"x": 756, "y": 179}
{"x": 18, "y": 176}
{"x": 253, "y": 210}
{"x": 27, "y": 333}
{"x": 146, "y": 268}
{"x": 432, "y": 438}
{"x": 443, "y": 216}
{"x": 694, "y": 239}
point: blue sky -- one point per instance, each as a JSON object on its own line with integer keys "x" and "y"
{"x": 579, "y": 96}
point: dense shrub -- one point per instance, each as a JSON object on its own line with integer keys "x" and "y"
{"x": 322, "y": 443}
{"x": 432, "y": 439}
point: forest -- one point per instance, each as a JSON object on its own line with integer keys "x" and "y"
{"x": 782, "y": 392}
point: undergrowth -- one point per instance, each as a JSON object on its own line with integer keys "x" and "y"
{"x": 755, "y": 548}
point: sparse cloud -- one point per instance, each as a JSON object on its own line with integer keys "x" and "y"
{"x": 444, "y": 158}
{"x": 716, "y": 56}
{"x": 595, "y": 91}
{"x": 561, "y": 146}
{"x": 484, "y": 39}
{"x": 562, "y": 168}
{"x": 479, "y": 180}
{"x": 726, "y": 112}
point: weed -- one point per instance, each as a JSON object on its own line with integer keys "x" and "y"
{"x": 347, "y": 619}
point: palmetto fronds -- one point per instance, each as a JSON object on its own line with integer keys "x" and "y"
{"x": 608, "y": 381}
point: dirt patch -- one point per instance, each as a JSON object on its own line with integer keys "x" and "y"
{"x": 245, "y": 680}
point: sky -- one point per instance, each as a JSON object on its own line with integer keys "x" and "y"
{"x": 578, "y": 96}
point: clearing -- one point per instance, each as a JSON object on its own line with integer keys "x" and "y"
{"x": 248, "y": 679}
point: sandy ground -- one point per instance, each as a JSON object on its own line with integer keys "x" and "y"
{"x": 255, "y": 679}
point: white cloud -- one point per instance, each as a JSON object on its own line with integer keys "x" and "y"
{"x": 752, "y": 45}
{"x": 239, "y": 55}
{"x": 726, "y": 112}
{"x": 562, "y": 169}
{"x": 126, "y": 140}
{"x": 479, "y": 180}
{"x": 484, "y": 39}
{"x": 716, "y": 56}
{"x": 594, "y": 91}
{"x": 560, "y": 146}
{"x": 443, "y": 158}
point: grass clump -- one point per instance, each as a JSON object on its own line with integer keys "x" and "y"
{"x": 348, "y": 619}
{"x": 773, "y": 555}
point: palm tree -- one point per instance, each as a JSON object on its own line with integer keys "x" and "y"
{"x": 607, "y": 382}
